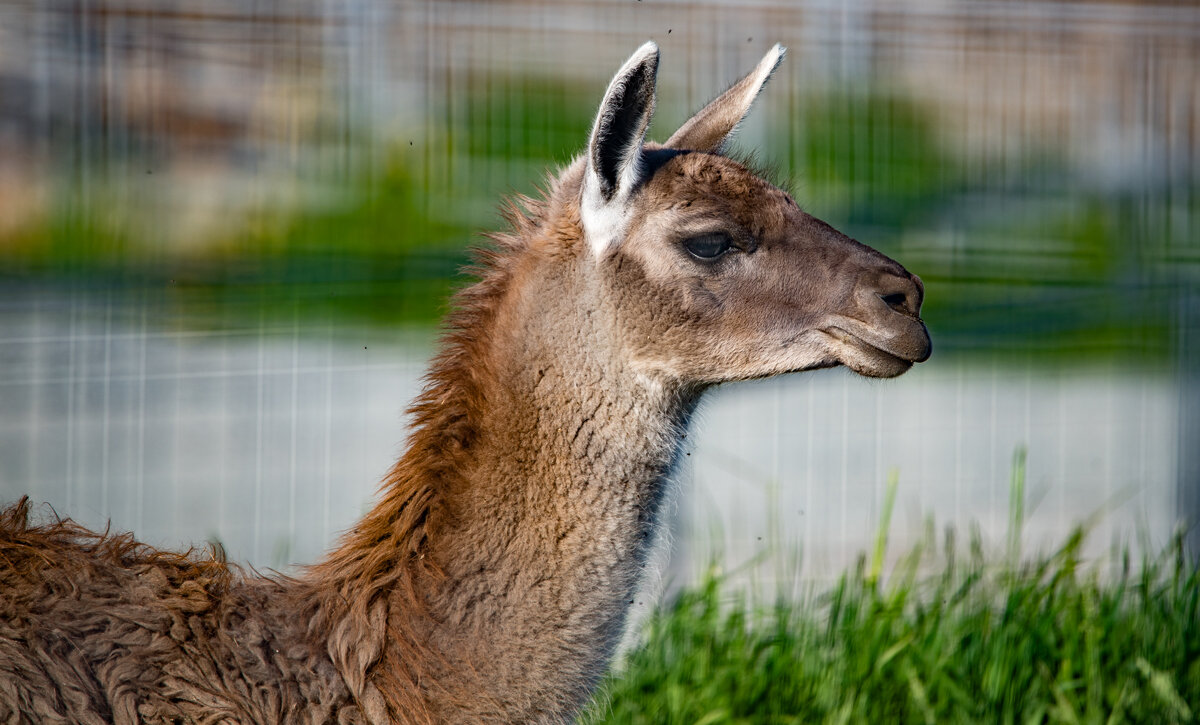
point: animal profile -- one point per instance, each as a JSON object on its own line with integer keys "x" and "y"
{"x": 492, "y": 578}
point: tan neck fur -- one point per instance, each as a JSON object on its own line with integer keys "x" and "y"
{"x": 520, "y": 517}
{"x": 549, "y": 539}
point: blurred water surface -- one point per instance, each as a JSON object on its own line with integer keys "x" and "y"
{"x": 221, "y": 221}
{"x": 270, "y": 438}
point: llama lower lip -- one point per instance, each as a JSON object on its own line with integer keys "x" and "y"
{"x": 857, "y": 342}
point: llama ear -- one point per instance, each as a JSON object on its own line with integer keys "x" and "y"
{"x": 712, "y": 125}
{"x": 615, "y": 148}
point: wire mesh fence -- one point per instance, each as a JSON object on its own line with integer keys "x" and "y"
{"x": 227, "y": 229}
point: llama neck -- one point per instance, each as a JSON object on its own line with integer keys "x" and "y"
{"x": 511, "y": 536}
{"x": 559, "y": 501}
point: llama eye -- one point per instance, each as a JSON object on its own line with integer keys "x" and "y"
{"x": 708, "y": 247}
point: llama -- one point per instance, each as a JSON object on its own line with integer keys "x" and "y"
{"x": 492, "y": 579}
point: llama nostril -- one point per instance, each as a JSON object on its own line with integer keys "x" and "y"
{"x": 901, "y": 293}
{"x": 896, "y": 301}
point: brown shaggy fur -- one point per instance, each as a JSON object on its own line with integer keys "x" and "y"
{"x": 99, "y": 628}
{"x": 491, "y": 581}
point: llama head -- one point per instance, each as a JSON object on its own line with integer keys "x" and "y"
{"x": 713, "y": 273}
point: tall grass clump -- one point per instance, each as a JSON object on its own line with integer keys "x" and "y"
{"x": 975, "y": 639}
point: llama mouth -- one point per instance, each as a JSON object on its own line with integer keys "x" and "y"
{"x": 870, "y": 360}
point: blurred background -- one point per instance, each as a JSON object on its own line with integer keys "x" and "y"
{"x": 228, "y": 230}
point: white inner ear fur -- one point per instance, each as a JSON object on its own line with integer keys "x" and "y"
{"x": 605, "y": 221}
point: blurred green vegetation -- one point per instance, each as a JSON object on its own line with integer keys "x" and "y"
{"x": 389, "y": 251}
{"x": 380, "y": 258}
{"x": 951, "y": 636}
{"x": 1048, "y": 642}
{"x": 1019, "y": 257}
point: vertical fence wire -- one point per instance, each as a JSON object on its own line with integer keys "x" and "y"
{"x": 1035, "y": 163}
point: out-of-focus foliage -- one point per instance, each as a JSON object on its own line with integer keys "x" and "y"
{"x": 979, "y": 641}
{"x": 1018, "y": 255}
{"x": 390, "y": 248}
